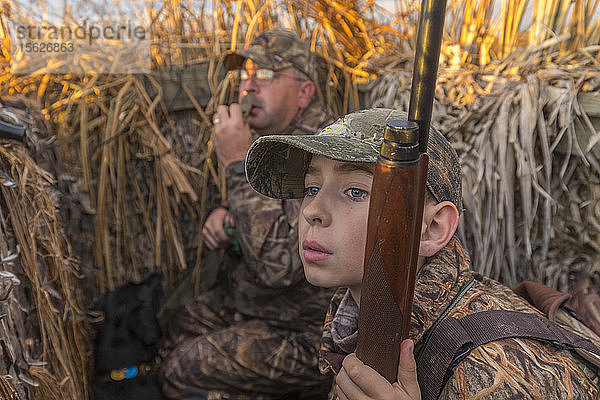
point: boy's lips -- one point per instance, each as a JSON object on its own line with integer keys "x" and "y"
{"x": 313, "y": 251}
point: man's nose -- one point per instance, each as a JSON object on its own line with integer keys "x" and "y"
{"x": 316, "y": 212}
{"x": 249, "y": 85}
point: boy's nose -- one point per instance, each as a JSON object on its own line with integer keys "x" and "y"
{"x": 316, "y": 212}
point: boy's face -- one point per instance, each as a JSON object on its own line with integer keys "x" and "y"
{"x": 333, "y": 222}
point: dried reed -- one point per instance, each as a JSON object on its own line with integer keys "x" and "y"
{"x": 48, "y": 321}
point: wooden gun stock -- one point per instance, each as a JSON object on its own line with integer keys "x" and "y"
{"x": 393, "y": 234}
{"x": 396, "y": 211}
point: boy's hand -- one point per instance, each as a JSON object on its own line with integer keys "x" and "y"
{"x": 232, "y": 135}
{"x": 357, "y": 381}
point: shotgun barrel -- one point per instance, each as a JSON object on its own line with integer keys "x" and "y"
{"x": 427, "y": 56}
{"x": 15, "y": 132}
{"x": 396, "y": 211}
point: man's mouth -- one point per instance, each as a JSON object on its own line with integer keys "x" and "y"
{"x": 252, "y": 108}
{"x": 252, "y": 100}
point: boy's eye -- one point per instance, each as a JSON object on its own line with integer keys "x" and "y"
{"x": 356, "y": 194}
{"x": 311, "y": 191}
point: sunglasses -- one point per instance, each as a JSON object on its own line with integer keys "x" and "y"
{"x": 261, "y": 75}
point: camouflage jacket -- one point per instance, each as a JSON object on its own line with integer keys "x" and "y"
{"x": 503, "y": 369}
{"x": 267, "y": 281}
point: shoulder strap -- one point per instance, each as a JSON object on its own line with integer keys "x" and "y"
{"x": 453, "y": 340}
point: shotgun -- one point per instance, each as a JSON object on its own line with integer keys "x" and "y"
{"x": 396, "y": 210}
{"x": 15, "y": 132}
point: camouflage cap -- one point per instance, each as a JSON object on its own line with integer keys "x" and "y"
{"x": 275, "y": 49}
{"x": 275, "y": 165}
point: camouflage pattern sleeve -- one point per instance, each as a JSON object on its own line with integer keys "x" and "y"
{"x": 266, "y": 230}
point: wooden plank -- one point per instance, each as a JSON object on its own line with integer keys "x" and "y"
{"x": 195, "y": 77}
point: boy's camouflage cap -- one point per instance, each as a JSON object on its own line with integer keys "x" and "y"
{"x": 275, "y": 165}
{"x": 275, "y": 49}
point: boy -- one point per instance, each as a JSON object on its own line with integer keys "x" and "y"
{"x": 332, "y": 172}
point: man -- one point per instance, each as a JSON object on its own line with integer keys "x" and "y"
{"x": 256, "y": 334}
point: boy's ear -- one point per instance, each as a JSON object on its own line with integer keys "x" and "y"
{"x": 307, "y": 89}
{"x": 439, "y": 224}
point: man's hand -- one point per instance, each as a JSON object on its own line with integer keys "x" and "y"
{"x": 232, "y": 134}
{"x": 357, "y": 381}
{"x": 213, "y": 230}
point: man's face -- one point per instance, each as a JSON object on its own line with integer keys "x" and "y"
{"x": 275, "y": 102}
{"x": 332, "y": 224}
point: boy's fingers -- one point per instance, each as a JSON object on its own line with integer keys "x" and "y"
{"x": 340, "y": 394}
{"x": 407, "y": 370}
{"x": 346, "y": 389}
{"x": 368, "y": 381}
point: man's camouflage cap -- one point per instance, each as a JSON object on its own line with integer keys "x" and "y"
{"x": 276, "y": 165}
{"x": 275, "y": 49}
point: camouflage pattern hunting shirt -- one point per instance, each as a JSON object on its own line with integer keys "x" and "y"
{"x": 504, "y": 369}
{"x": 268, "y": 280}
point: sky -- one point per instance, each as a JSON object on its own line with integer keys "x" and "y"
{"x": 54, "y": 8}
